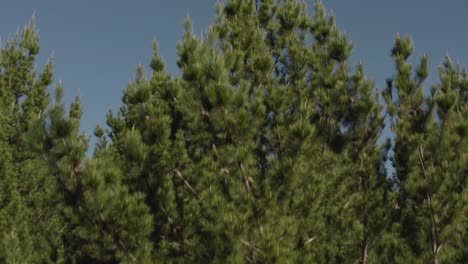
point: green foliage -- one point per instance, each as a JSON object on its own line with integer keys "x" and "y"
{"x": 30, "y": 222}
{"x": 264, "y": 150}
{"x": 45, "y": 189}
{"x": 430, "y": 158}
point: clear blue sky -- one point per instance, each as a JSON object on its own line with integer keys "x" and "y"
{"x": 97, "y": 44}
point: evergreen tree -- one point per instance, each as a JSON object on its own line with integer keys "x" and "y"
{"x": 264, "y": 150}
{"x": 242, "y": 120}
{"x": 30, "y": 228}
{"x": 147, "y": 144}
{"x": 48, "y": 199}
{"x": 341, "y": 108}
{"x": 104, "y": 223}
{"x": 430, "y": 139}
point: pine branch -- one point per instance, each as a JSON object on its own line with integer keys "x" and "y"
{"x": 435, "y": 234}
{"x": 187, "y": 184}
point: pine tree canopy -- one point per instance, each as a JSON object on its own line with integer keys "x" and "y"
{"x": 266, "y": 148}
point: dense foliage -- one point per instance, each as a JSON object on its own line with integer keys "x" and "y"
{"x": 265, "y": 149}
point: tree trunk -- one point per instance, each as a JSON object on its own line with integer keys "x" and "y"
{"x": 365, "y": 241}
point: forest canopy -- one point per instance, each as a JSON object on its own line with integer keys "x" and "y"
{"x": 266, "y": 148}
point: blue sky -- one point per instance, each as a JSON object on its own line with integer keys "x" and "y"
{"x": 97, "y": 44}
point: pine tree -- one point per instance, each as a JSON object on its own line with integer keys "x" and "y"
{"x": 264, "y": 150}
{"x": 342, "y": 110}
{"x": 30, "y": 229}
{"x": 183, "y": 141}
{"x": 48, "y": 210}
{"x": 350, "y": 121}
{"x": 223, "y": 140}
{"x": 104, "y": 223}
{"x": 147, "y": 143}
{"x": 242, "y": 132}
{"x": 429, "y": 158}
{"x": 288, "y": 218}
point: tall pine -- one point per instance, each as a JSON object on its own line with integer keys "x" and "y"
{"x": 429, "y": 157}
{"x": 30, "y": 224}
